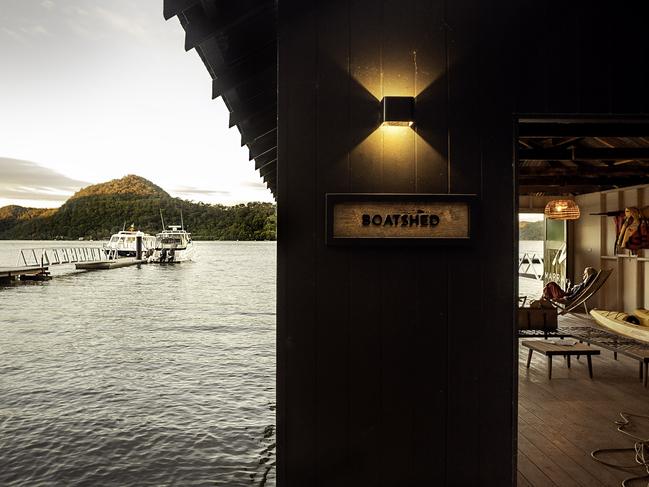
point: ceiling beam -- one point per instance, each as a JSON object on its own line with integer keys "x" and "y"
{"x": 585, "y": 154}
{"x": 586, "y": 172}
{"x": 615, "y": 181}
{"x": 545, "y": 130}
{"x": 567, "y": 142}
{"x": 534, "y": 189}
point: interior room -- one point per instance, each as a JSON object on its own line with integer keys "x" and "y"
{"x": 583, "y": 188}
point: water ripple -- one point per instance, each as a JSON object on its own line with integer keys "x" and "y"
{"x": 151, "y": 376}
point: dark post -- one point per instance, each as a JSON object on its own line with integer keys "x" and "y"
{"x": 138, "y": 247}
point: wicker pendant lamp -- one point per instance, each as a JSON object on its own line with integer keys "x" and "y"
{"x": 562, "y": 210}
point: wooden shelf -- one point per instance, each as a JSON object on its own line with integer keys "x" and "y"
{"x": 623, "y": 256}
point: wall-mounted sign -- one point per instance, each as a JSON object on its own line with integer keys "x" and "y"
{"x": 370, "y": 219}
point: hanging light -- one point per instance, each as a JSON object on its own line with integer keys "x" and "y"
{"x": 562, "y": 210}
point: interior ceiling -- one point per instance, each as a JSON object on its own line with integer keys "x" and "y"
{"x": 577, "y": 156}
{"x": 237, "y": 42}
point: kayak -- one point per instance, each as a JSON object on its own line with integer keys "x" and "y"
{"x": 618, "y": 322}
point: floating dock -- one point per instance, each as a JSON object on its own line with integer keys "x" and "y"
{"x": 24, "y": 273}
{"x": 109, "y": 264}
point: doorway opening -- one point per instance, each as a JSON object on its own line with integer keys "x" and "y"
{"x": 601, "y": 163}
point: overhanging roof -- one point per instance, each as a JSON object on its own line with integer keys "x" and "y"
{"x": 237, "y": 42}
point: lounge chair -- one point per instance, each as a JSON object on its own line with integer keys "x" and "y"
{"x": 584, "y": 295}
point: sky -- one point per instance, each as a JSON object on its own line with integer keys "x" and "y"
{"x": 530, "y": 217}
{"x": 93, "y": 90}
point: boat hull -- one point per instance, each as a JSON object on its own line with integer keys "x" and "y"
{"x": 612, "y": 320}
{"x": 122, "y": 253}
{"x": 164, "y": 256}
{"x": 124, "y": 244}
{"x": 173, "y": 245}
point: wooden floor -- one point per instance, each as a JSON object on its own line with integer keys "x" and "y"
{"x": 561, "y": 421}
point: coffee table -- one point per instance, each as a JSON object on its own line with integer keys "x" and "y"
{"x": 550, "y": 349}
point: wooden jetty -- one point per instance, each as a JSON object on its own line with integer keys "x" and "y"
{"x": 84, "y": 258}
{"x": 24, "y": 273}
{"x": 109, "y": 264}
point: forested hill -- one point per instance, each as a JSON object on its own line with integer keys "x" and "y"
{"x": 98, "y": 211}
{"x": 531, "y": 230}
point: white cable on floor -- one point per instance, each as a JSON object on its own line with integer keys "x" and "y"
{"x": 641, "y": 449}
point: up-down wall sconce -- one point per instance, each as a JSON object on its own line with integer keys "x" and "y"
{"x": 398, "y": 111}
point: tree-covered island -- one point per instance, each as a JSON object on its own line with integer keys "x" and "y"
{"x": 98, "y": 211}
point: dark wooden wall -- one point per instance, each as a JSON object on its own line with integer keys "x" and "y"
{"x": 396, "y": 366}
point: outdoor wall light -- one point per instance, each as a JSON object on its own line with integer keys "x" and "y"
{"x": 398, "y": 110}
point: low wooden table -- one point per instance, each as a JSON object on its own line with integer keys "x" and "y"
{"x": 550, "y": 349}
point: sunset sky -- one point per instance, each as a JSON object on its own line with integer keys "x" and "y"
{"x": 92, "y": 90}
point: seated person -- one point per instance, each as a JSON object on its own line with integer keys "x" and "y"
{"x": 553, "y": 291}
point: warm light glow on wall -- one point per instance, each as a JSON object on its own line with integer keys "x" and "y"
{"x": 394, "y": 130}
{"x": 389, "y": 142}
{"x": 397, "y": 75}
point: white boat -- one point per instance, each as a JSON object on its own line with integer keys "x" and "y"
{"x": 124, "y": 243}
{"x": 634, "y": 326}
{"x": 173, "y": 245}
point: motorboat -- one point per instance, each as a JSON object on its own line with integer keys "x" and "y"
{"x": 173, "y": 245}
{"x": 123, "y": 243}
{"x": 634, "y": 325}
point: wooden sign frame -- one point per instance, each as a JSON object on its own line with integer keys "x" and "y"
{"x": 333, "y": 199}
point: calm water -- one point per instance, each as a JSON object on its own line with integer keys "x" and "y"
{"x": 162, "y": 375}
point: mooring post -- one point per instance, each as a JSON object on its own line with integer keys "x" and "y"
{"x": 138, "y": 247}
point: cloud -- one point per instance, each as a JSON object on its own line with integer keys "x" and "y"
{"x": 254, "y": 184}
{"x": 193, "y": 191}
{"x": 34, "y": 30}
{"x": 26, "y": 180}
{"x": 48, "y": 4}
{"x": 13, "y": 34}
{"x": 28, "y": 194}
{"x": 122, "y": 23}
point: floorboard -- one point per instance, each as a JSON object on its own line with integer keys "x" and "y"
{"x": 562, "y": 420}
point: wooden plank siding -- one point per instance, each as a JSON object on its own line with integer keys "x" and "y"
{"x": 297, "y": 396}
{"x": 332, "y": 297}
{"x": 397, "y": 366}
{"x": 365, "y": 435}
